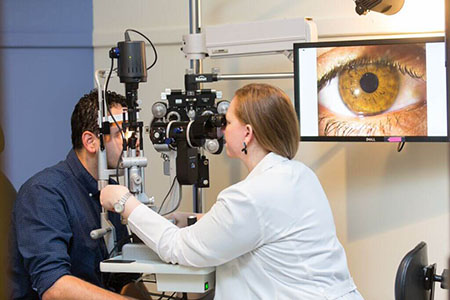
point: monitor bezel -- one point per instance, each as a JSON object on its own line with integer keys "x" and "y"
{"x": 346, "y": 43}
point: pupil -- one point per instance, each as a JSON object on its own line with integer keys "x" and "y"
{"x": 369, "y": 82}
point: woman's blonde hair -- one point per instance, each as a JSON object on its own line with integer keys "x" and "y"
{"x": 272, "y": 116}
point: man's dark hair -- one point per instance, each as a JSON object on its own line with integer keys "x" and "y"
{"x": 85, "y": 115}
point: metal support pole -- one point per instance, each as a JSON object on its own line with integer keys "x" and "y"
{"x": 195, "y": 25}
{"x": 196, "y": 65}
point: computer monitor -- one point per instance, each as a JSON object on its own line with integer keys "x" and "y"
{"x": 389, "y": 90}
{"x": 410, "y": 280}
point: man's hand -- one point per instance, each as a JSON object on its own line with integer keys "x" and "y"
{"x": 70, "y": 287}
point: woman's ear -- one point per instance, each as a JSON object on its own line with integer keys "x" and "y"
{"x": 90, "y": 142}
{"x": 248, "y": 133}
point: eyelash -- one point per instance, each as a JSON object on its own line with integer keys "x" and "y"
{"x": 404, "y": 70}
{"x": 342, "y": 128}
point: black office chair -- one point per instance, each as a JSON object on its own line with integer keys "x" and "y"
{"x": 9, "y": 194}
{"x": 415, "y": 278}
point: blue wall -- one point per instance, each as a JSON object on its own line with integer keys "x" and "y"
{"x": 46, "y": 60}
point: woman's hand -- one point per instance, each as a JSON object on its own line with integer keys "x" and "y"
{"x": 110, "y": 194}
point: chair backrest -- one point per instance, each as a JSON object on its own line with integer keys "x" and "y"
{"x": 410, "y": 279}
{"x": 8, "y": 196}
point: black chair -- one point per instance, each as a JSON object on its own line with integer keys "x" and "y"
{"x": 415, "y": 278}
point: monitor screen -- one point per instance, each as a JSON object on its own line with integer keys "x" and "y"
{"x": 372, "y": 90}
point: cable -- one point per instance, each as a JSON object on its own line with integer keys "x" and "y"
{"x": 176, "y": 207}
{"x": 109, "y": 74}
{"x": 112, "y": 116}
{"x": 400, "y": 146}
{"x": 143, "y": 277}
{"x": 106, "y": 89}
{"x": 161, "y": 296}
{"x": 171, "y": 296}
{"x": 105, "y": 92}
{"x": 117, "y": 168}
{"x": 154, "y": 49}
{"x": 121, "y": 241}
{"x": 168, "y": 193}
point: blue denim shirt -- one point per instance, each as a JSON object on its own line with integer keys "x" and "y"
{"x": 53, "y": 215}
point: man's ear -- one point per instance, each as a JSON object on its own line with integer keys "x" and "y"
{"x": 90, "y": 142}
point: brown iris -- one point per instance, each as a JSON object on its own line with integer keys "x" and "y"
{"x": 369, "y": 88}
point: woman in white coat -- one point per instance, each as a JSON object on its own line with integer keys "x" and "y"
{"x": 270, "y": 236}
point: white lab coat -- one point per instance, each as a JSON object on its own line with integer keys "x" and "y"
{"x": 271, "y": 236}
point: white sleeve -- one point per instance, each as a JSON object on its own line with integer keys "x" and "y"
{"x": 230, "y": 229}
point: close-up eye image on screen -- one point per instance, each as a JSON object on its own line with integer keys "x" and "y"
{"x": 372, "y": 90}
